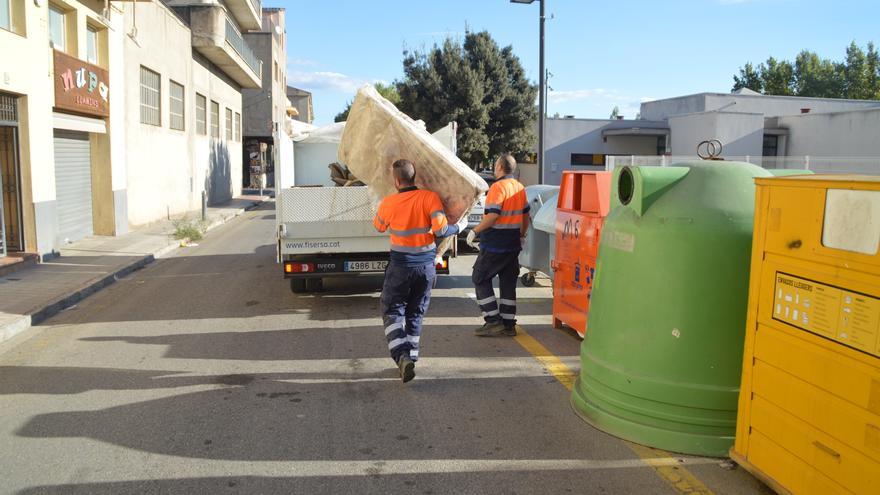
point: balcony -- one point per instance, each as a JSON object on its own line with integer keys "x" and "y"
{"x": 215, "y": 36}
{"x": 248, "y": 13}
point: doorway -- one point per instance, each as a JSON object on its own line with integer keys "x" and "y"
{"x": 10, "y": 183}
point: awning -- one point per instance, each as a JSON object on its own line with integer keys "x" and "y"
{"x": 76, "y": 123}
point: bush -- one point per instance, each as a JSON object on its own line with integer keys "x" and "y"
{"x": 184, "y": 228}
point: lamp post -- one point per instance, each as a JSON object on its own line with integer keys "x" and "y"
{"x": 542, "y": 83}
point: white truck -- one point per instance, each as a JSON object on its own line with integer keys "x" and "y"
{"x": 327, "y": 231}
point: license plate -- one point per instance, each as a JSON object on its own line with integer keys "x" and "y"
{"x": 475, "y": 218}
{"x": 365, "y": 266}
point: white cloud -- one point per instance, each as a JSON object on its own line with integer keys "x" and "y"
{"x": 331, "y": 81}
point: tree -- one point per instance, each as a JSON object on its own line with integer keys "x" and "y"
{"x": 873, "y": 66}
{"x": 615, "y": 112}
{"x": 857, "y": 76}
{"x": 817, "y": 77}
{"x": 388, "y": 91}
{"x": 477, "y": 84}
{"x": 748, "y": 78}
{"x": 777, "y": 76}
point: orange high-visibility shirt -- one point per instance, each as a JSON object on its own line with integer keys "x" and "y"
{"x": 507, "y": 199}
{"x": 414, "y": 218}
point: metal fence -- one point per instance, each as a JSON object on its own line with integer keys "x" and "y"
{"x": 816, "y": 164}
{"x": 237, "y": 42}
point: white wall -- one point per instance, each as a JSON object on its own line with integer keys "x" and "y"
{"x": 741, "y": 134}
{"x": 773, "y": 106}
{"x": 562, "y": 137}
{"x": 769, "y": 106}
{"x": 168, "y": 169}
{"x": 662, "y": 109}
{"x": 850, "y": 134}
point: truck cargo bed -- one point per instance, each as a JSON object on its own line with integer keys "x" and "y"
{"x": 325, "y": 220}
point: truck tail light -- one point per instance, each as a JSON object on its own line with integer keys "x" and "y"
{"x": 290, "y": 267}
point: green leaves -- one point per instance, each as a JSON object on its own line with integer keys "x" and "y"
{"x": 856, "y": 77}
{"x": 477, "y": 84}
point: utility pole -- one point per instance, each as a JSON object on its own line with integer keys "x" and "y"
{"x": 542, "y": 99}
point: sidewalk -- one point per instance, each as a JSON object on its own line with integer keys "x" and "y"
{"x": 31, "y": 295}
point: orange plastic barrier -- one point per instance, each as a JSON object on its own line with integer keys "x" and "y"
{"x": 584, "y": 201}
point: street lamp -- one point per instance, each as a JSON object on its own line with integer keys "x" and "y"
{"x": 542, "y": 103}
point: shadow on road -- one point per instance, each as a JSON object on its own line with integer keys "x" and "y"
{"x": 316, "y": 343}
{"x": 267, "y": 419}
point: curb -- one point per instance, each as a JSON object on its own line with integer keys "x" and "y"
{"x": 51, "y": 309}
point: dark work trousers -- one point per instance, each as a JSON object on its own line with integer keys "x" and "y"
{"x": 506, "y": 267}
{"x": 406, "y": 295}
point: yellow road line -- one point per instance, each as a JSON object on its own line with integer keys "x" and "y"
{"x": 679, "y": 478}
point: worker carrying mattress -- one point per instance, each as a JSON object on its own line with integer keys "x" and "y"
{"x": 377, "y": 133}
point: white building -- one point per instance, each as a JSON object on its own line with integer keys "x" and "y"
{"x": 186, "y": 64}
{"x": 776, "y": 131}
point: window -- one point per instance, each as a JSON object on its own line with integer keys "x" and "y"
{"x": 215, "y": 120}
{"x": 201, "y": 115}
{"x": 5, "y": 15}
{"x": 151, "y": 97}
{"x": 771, "y": 145}
{"x": 587, "y": 159}
{"x": 661, "y": 145}
{"x": 176, "y": 108}
{"x": 92, "y": 45}
{"x": 237, "y": 126}
{"x": 57, "y": 28}
{"x": 229, "y": 124}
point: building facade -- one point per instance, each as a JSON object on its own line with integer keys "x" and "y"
{"x": 57, "y": 109}
{"x": 265, "y": 109}
{"x": 186, "y": 65}
{"x": 301, "y": 101}
{"x": 102, "y": 125}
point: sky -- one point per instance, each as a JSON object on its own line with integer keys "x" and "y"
{"x": 601, "y": 54}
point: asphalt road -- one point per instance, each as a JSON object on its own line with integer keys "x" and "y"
{"x": 203, "y": 373}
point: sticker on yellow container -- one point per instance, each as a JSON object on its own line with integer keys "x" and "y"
{"x": 851, "y": 318}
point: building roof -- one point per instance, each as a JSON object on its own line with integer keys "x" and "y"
{"x": 752, "y": 94}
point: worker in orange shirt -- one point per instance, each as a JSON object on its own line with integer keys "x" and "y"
{"x": 504, "y": 225}
{"x": 414, "y": 218}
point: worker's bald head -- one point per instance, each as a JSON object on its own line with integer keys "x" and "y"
{"x": 405, "y": 172}
{"x": 505, "y": 165}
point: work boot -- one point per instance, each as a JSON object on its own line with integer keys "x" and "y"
{"x": 493, "y": 329}
{"x": 407, "y": 369}
{"x": 510, "y": 330}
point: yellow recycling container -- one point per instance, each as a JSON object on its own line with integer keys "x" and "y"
{"x": 809, "y": 408}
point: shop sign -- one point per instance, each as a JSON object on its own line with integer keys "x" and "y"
{"x": 80, "y": 86}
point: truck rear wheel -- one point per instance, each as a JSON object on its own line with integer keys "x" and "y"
{"x": 298, "y": 285}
